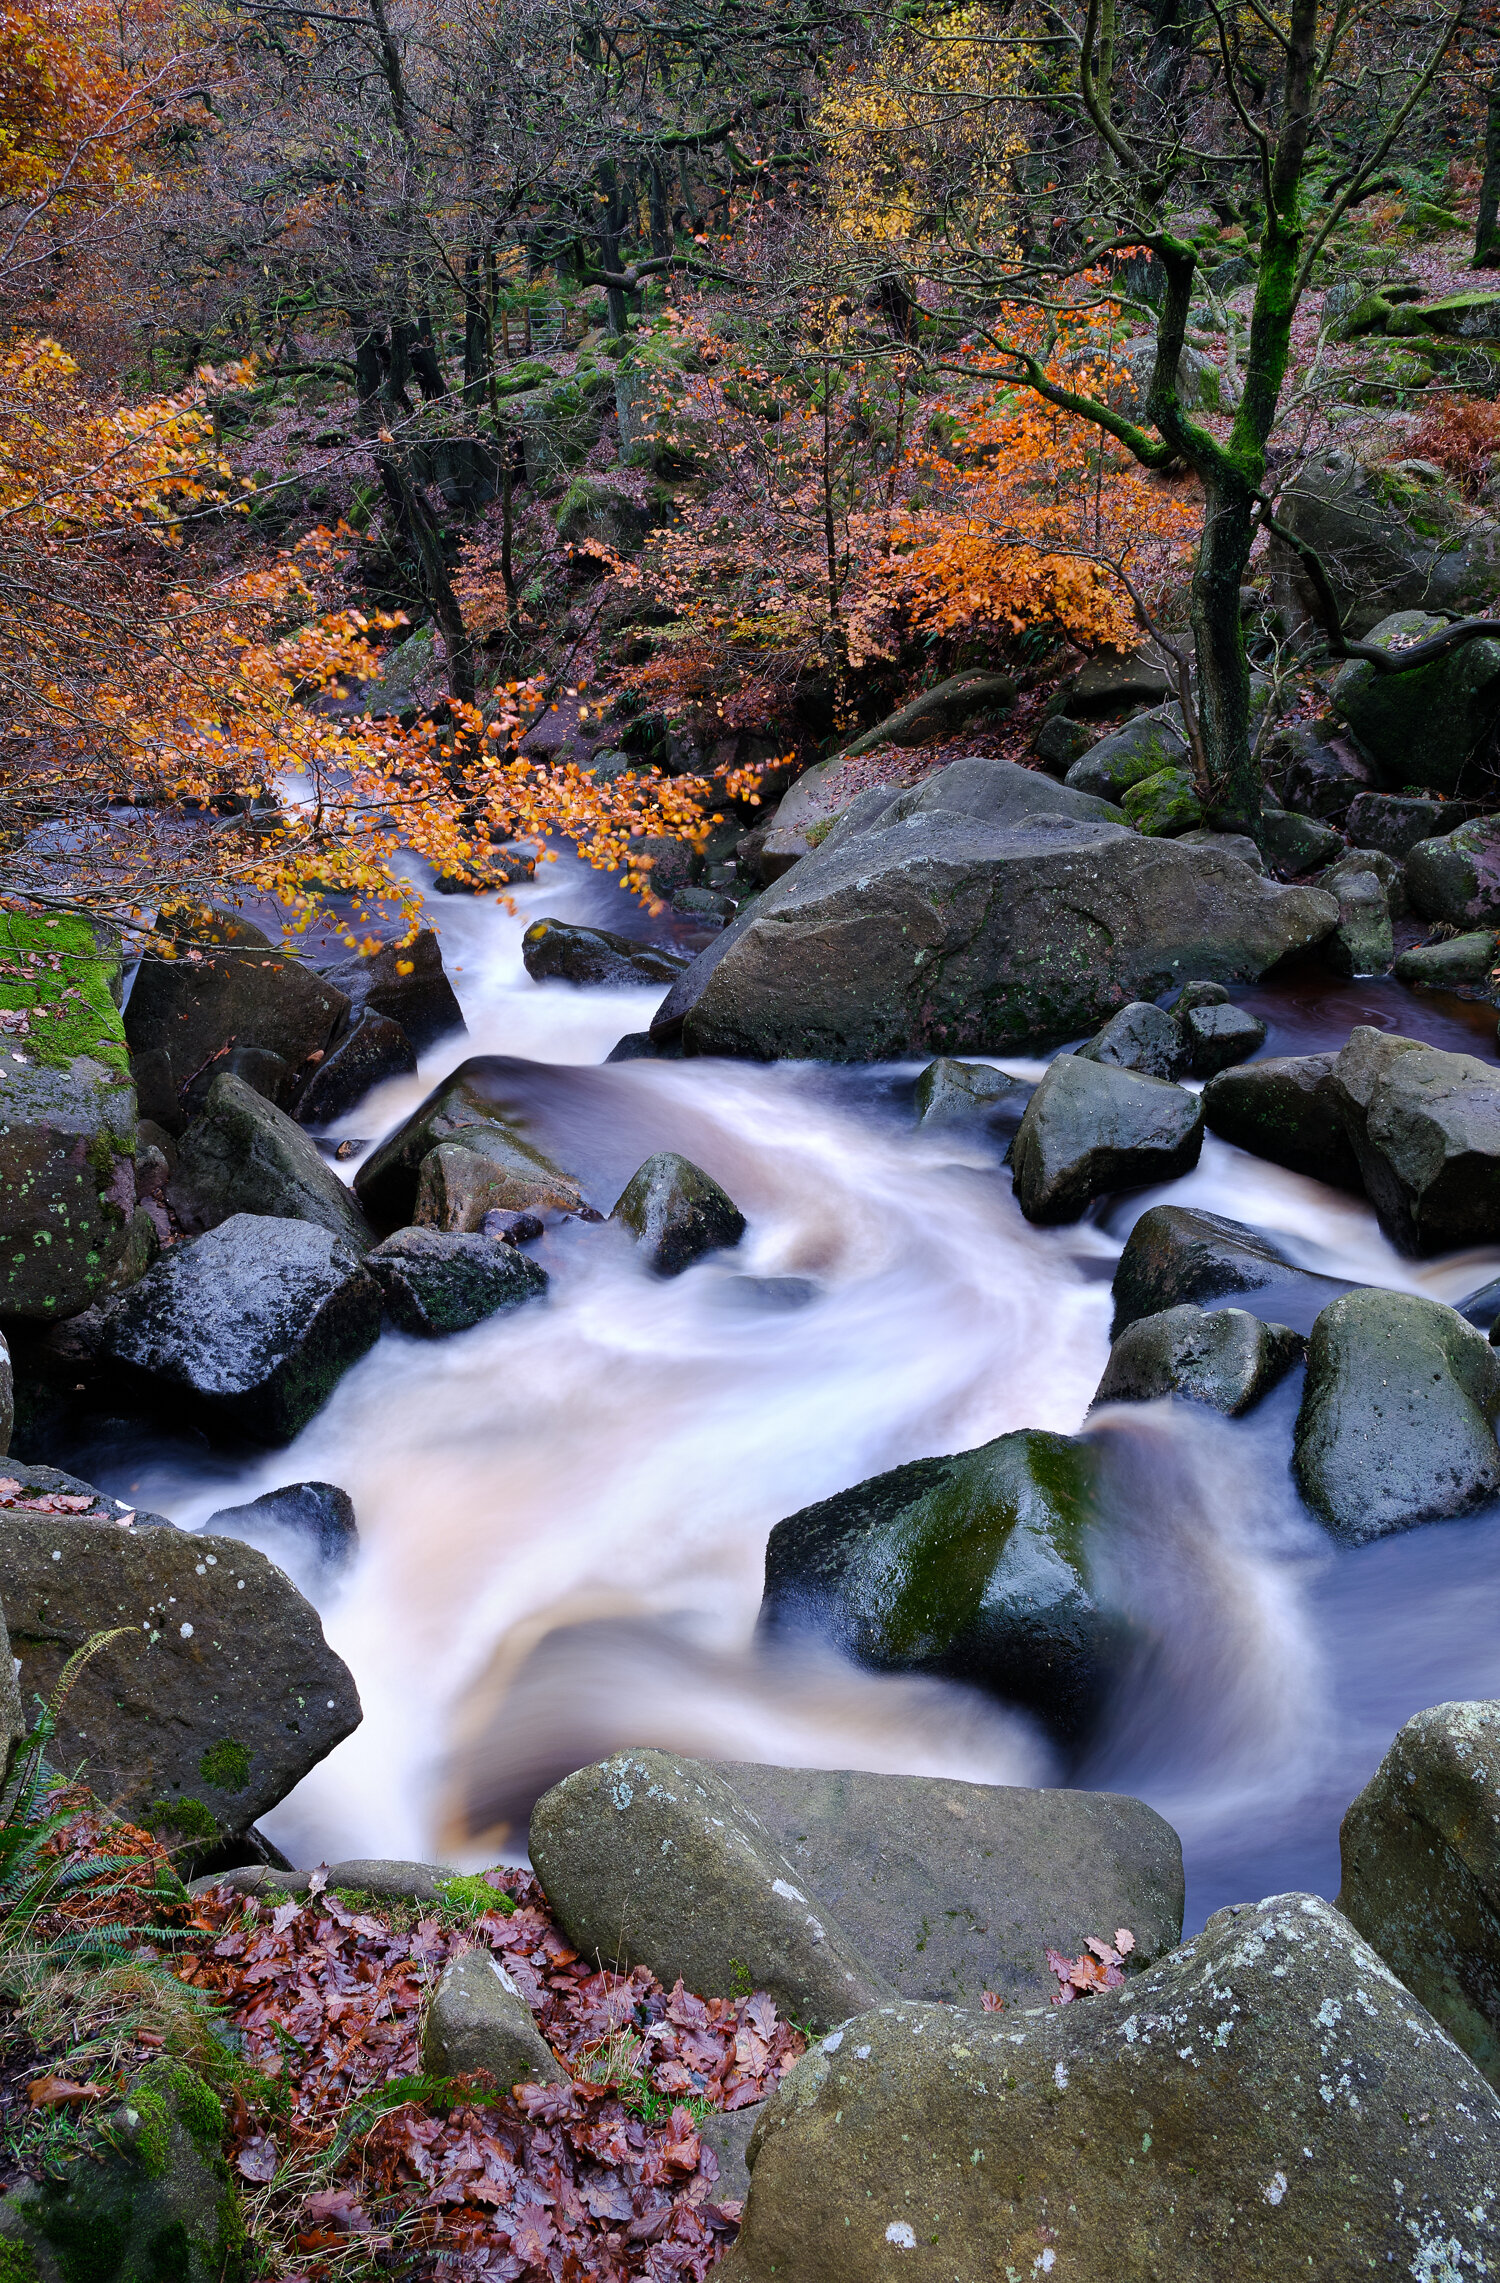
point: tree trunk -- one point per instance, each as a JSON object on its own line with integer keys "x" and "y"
{"x": 416, "y": 519}
{"x": 1234, "y": 787}
{"x": 1487, "y": 231}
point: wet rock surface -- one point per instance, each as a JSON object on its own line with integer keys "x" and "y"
{"x": 1425, "y": 1128}
{"x": 1176, "y": 1253}
{"x": 676, "y": 1212}
{"x": 372, "y": 1050}
{"x": 1091, "y": 1127}
{"x": 67, "y": 1186}
{"x": 318, "y": 1514}
{"x": 576, "y": 954}
{"x": 493, "y": 1162}
{"x": 406, "y": 984}
{"x": 243, "y": 1155}
{"x": 434, "y": 1282}
{"x": 1224, "y": 1357}
{"x": 951, "y": 1093}
{"x": 653, "y": 1860}
{"x": 1397, "y": 1424}
{"x": 1283, "y": 1109}
{"x": 1140, "y": 1037}
{"x": 1270, "y": 2087}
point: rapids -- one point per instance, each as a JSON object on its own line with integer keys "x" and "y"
{"x": 563, "y": 1512}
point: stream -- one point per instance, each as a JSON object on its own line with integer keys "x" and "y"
{"x": 563, "y": 1512}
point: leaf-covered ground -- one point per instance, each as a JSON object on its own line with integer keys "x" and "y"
{"x": 366, "y": 2161}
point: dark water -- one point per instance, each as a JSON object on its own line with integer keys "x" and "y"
{"x": 564, "y": 1512}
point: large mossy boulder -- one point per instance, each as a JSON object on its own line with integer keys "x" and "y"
{"x": 988, "y": 909}
{"x": 140, "y": 2194}
{"x": 245, "y": 1332}
{"x": 226, "y": 987}
{"x": 1456, "y": 960}
{"x": 1092, "y": 1127}
{"x": 1387, "y": 545}
{"x": 1283, "y": 1109}
{"x": 979, "y": 1567}
{"x": 1152, "y": 742}
{"x": 1433, "y": 725}
{"x": 1454, "y": 877}
{"x": 216, "y": 1697}
{"x": 1223, "y": 1357}
{"x": 1176, "y": 1253}
{"x": 1268, "y": 2101}
{"x": 951, "y": 1889}
{"x": 67, "y": 1185}
{"x": 1397, "y": 1424}
{"x": 651, "y": 1860}
{"x": 243, "y": 1155}
{"x": 1420, "y": 1848}
{"x": 483, "y": 1159}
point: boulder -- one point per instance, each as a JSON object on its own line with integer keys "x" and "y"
{"x": 1224, "y": 1357}
{"x": 1455, "y": 876}
{"x": 1394, "y": 823}
{"x": 987, "y": 909}
{"x": 728, "y": 2133}
{"x": 316, "y": 1514}
{"x": 1367, "y": 527}
{"x": 1239, "y": 845}
{"x": 31, "y": 1489}
{"x": 1320, "y": 777}
{"x": 1091, "y": 1127}
{"x": 1433, "y": 725}
{"x": 1297, "y": 843}
{"x": 1390, "y": 873}
{"x": 951, "y": 1889}
{"x": 477, "y": 2020}
{"x": 1111, "y": 682}
{"x": 227, "y": 988}
{"x": 1140, "y": 1037}
{"x": 14, "y": 1726}
{"x": 575, "y": 954}
{"x": 212, "y": 1703}
{"x": 436, "y": 1281}
{"x": 1268, "y": 2101}
{"x": 1110, "y": 765}
{"x": 650, "y": 1860}
{"x": 1175, "y": 1253}
{"x": 405, "y": 983}
{"x": 1397, "y": 1423}
{"x": 67, "y": 1185}
{"x": 1467, "y": 958}
{"x": 490, "y": 1163}
{"x": 1420, "y": 1849}
{"x": 952, "y": 1093}
{"x": 1425, "y": 1127}
{"x": 937, "y": 712}
{"x": 1163, "y": 805}
{"x": 1362, "y": 943}
{"x": 1216, "y": 1037}
{"x": 372, "y": 1049}
{"x": 247, "y": 1330}
{"x": 676, "y": 1212}
{"x": 143, "y": 2195}
{"x": 1201, "y": 385}
{"x": 262, "y": 1071}
{"x": 1060, "y": 742}
{"x": 1284, "y": 1110}
{"x": 977, "y": 1567}
{"x": 246, "y": 1156}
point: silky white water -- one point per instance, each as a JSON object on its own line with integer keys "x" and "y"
{"x": 563, "y": 1512}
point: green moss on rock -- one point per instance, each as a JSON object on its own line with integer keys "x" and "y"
{"x": 186, "y": 1816}
{"x": 226, "y": 1765}
{"x": 57, "y": 991}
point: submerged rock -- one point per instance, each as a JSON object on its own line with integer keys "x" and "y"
{"x": 1091, "y": 1127}
{"x": 577, "y": 954}
{"x": 977, "y": 1567}
{"x": 676, "y": 1212}
{"x": 651, "y": 1860}
{"x": 1421, "y": 1857}
{"x": 434, "y": 1282}
{"x": 951, "y": 1889}
{"x": 1269, "y": 2083}
{"x": 1175, "y": 1253}
{"x": 1398, "y": 1415}
{"x": 318, "y": 1513}
{"x": 988, "y": 909}
{"x": 243, "y": 1155}
{"x": 1223, "y": 1357}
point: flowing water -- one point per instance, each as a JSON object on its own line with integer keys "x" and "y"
{"x": 563, "y": 1512}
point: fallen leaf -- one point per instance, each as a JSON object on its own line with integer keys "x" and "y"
{"x": 1124, "y": 1941}
{"x": 51, "y": 2092}
{"x": 257, "y": 2159}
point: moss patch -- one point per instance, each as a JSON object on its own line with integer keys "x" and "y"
{"x": 152, "y": 2136}
{"x": 17, "y": 2261}
{"x": 226, "y": 1765}
{"x": 472, "y": 1895}
{"x": 198, "y": 2107}
{"x": 187, "y": 1815}
{"x": 55, "y": 997}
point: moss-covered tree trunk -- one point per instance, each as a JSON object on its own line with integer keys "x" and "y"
{"x": 1487, "y": 230}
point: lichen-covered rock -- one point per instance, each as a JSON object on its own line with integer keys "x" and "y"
{"x": 434, "y": 1282}
{"x": 228, "y": 987}
{"x": 1393, "y": 823}
{"x": 974, "y": 914}
{"x": 243, "y": 1155}
{"x": 1397, "y": 1423}
{"x": 1165, "y": 804}
{"x": 1175, "y": 1253}
{"x": 67, "y": 1185}
{"x": 676, "y": 1212}
{"x": 478, "y": 2019}
{"x": 1421, "y": 1859}
{"x": 1109, "y": 766}
{"x": 1282, "y": 1109}
{"x": 1224, "y": 1357}
{"x": 977, "y": 1567}
{"x": 247, "y": 1329}
{"x": 950, "y": 1889}
{"x": 1386, "y": 547}
{"x": 1455, "y": 876}
{"x": 1297, "y": 843}
{"x": 572, "y": 953}
{"x": 1362, "y": 943}
{"x": 1431, "y": 725}
{"x": 1140, "y": 1037}
{"x": 216, "y": 1698}
{"x": 1091, "y": 1127}
{"x": 144, "y": 2197}
{"x": 651, "y": 1860}
{"x": 491, "y": 1163}
{"x": 1462, "y": 959}
{"x": 951, "y": 1093}
{"x": 1268, "y": 2101}
{"x": 1425, "y": 1128}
